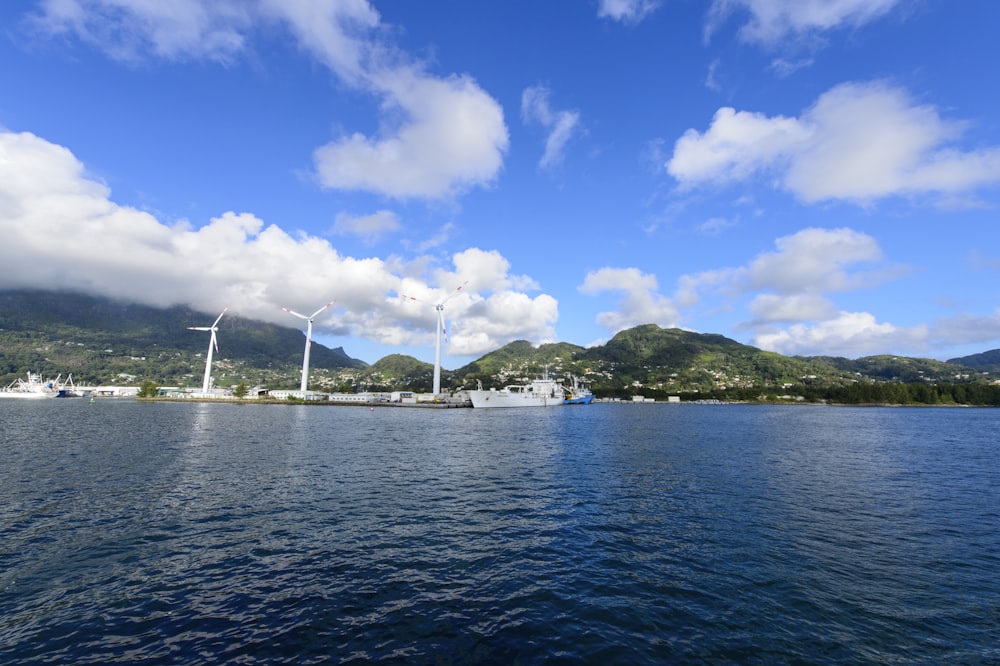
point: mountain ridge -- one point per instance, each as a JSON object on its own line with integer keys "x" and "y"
{"x": 101, "y": 340}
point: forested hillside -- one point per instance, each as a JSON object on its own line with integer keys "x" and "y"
{"x": 101, "y": 341}
{"x": 105, "y": 342}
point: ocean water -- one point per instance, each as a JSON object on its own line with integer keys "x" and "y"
{"x": 608, "y": 534}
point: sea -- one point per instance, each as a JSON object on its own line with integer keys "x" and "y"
{"x": 190, "y": 533}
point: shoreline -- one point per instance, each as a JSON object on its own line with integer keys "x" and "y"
{"x": 445, "y": 405}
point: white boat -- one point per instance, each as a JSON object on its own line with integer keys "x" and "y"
{"x": 542, "y": 392}
{"x": 578, "y": 394}
{"x": 32, "y": 388}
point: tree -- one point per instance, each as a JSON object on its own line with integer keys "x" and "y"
{"x": 148, "y": 389}
{"x": 241, "y": 390}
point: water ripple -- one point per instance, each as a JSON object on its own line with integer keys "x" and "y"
{"x": 171, "y": 533}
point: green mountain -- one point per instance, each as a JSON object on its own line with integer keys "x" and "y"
{"x": 107, "y": 342}
{"x": 101, "y": 341}
{"x": 657, "y": 362}
{"x": 652, "y": 361}
{"x": 986, "y": 361}
{"x": 519, "y": 360}
{"x": 399, "y": 372}
{"x": 899, "y": 368}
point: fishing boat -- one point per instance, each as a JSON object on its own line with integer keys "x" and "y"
{"x": 543, "y": 392}
{"x": 578, "y": 394}
{"x": 33, "y": 388}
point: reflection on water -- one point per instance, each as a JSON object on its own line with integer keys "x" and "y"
{"x": 611, "y": 533}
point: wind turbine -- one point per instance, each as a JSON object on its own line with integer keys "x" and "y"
{"x": 440, "y": 329}
{"x": 212, "y": 344}
{"x": 309, "y": 334}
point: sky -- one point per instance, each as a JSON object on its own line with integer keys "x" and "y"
{"x": 811, "y": 177}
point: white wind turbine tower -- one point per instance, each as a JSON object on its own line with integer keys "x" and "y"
{"x": 212, "y": 344}
{"x": 440, "y": 329}
{"x": 309, "y": 334}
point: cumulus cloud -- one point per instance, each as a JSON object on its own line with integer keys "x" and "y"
{"x": 850, "y": 334}
{"x": 691, "y": 286}
{"x": 61, "y": 229}
{"x": 772, "y": 21}
{"x": 792, "y": 308}
{"x": 640, "y": 301}
{"x": 626, "y": 11}
{"x": 791, "y": 311}
{"x": 858, "y": 142}
{"x": 485, "y": 270}
{"x": 803, "y": 265}
{"x": 736, "y": 145}
{"x": 561, "y": 125}
{"x": 788, "y": 293}
{"x": 479, "y": 322}
{"x": 452, "y": 137}
{"x": 439, "y": 136}
{"x": 814, "y": 260}
{"x": 967, "y": 328}
{"x": 369, "y": 227}
{"x": 503, "y": 317}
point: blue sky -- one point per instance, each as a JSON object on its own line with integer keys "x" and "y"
{"x": 806, "y": 176}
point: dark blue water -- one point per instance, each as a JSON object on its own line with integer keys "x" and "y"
{"x": 628, "y": 534}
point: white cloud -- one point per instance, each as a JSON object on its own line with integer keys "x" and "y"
{"x": 783, "y": 67}
{"x": 814, "y": 260}
{"x": 737, "y": 144}
{"x": 711, "y": 81}
{"x": 966, "y": 329}
{"x": 627, "y": 11}
{"x": 61, "y": 229}
{"x": 805, "y": 264}
{"x": 438, "y": 137}
{"x": 689, "y": 287}
{"x": 640, "y": 304}
{"x": 791, "y": 285}
{"x": 369, "y": 227}
{"x": 478, "y": 324}
{"x": 850, "y": 334}
{"x": 772, "y": 21}
{"x": 130, "y": 30}
{"x": 483, "y": 270}
{"x": 791, "y": 308}
{"x": 438, "y": 238}
{"x": 715, "y": 225}
{"x": 872, "y": 141}
{"x": 501, "y": 318}
{"x": 561, "y": 125}
{"x": 452, "y": 137}
{"x": 858, "y": 142}
{"x": 341, "y": 34}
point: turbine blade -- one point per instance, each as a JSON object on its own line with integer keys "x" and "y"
{"x": 220, "y": 316}
{"x": 294, "y": 313}
{"x": 455, "y": 293}
{"x": 313, "y": 315}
